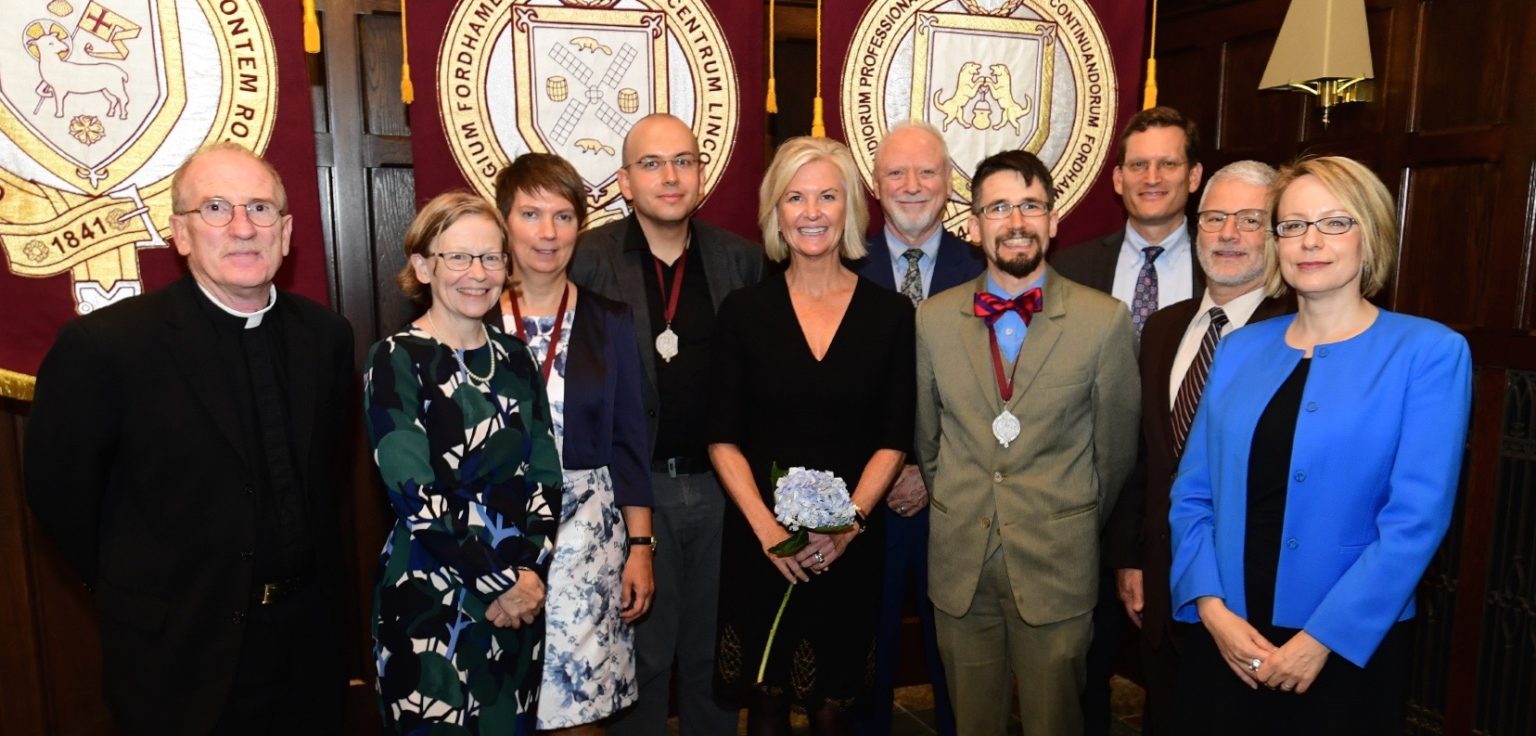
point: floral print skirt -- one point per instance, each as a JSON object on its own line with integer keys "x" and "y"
{"x": 589, "y": 652}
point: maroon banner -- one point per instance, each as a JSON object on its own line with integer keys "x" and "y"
{"x": 494, "y": 81}
{"x": 1055, "y": 77}
{"x": 98, "y": 106}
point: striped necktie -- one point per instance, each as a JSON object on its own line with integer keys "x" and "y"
{"x": 1188, "y": 400}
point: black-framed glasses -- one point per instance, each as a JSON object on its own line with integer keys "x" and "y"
{"x": 456, "y": 261}
{"x": 1249, "y": 221}
{"x": 653, "y": 164}
{"x": 219, "y": 212}
{"x": 1002, "y": 210}
{"x": 1142, "y": 166}
{"x": 1336, "y": 225}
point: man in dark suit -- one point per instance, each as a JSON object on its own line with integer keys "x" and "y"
{"x": 182, "y": 453}
{"x": 673, "y": 271}
{"x": 1176, "y": 348}
{"x": 913, "y": 254}
{"x": 1149, "y": 264}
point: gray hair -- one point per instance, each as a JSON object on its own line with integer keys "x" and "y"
{"x": 1256, "y": 173}
{"x": 922, "y": 125}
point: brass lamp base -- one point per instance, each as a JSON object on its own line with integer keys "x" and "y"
{"x": 1330, "y": 92}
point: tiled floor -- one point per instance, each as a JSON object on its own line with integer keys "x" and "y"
{"x": 914, "y": 712}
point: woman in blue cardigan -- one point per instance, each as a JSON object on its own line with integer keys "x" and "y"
{"x": 1318, "y": 480}
{"x": 600, "y": 580}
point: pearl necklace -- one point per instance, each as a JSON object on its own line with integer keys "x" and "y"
{"x": 458, "y": 353}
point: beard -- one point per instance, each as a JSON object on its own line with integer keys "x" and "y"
{"x": 915, "y": 225}
{"x": 1019, "y": 266}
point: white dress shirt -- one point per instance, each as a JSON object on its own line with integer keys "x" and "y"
{"x": 1239, "y": 310}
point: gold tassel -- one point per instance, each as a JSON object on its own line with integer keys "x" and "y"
{"x": 311, "y": 28}
{"x": 818, "y": 126}
{"x": 1149, "y": 92}
{"x": 407, "y": 90}
{"x": 773, "y": 95}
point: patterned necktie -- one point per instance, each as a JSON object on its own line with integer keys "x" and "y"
{"x": 1144, "y": 301}
{"x": 1188, "y": 400}
{"x": 992, "y": 307}
{"x": 912, "y": 281}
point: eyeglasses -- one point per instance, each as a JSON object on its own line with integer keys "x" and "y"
{"x": 456, "y": 261}
{"x": 1212, "y": 221}
{"x": 1166, "y": 166}
{"x": 1336, "y": 225}
{"x": 653, "y": 164}
{"x": 1003, "y": 210}
{"x": 220, "y": 212}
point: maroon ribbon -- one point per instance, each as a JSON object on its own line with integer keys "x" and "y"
{"x": 991, "y": 308}
{"x": 554, "y": 336}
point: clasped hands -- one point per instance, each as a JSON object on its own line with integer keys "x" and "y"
{"x": 908, "y": 494}
{"x": 815, "y": 558}
{"x": 520, "y": 604}
{"x": 1291, "y": 667}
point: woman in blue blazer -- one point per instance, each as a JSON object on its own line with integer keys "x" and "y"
{"x": 1318, "y": 480}
{"x": 601, "y": 579}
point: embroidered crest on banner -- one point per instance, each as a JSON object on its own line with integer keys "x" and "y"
{"x": 991, "y": 75}
{"x": 100, "y": 102}
{"x": 572, "y": 79}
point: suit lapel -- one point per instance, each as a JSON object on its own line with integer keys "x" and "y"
{"x": 972, "y": 332}
{"x": 1040, "y": 339}
{"x": 949, "y": 265}
{"x": 717, "y": 266}
{"x": 635, "y": 265}
{"x": 192, "y": 340}
{"x": 877, "y": 263}
{"x": 302, "y": 375}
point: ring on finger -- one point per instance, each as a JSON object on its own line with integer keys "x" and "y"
{"x": 1254, "y": 664}
{"x": 819, "y": 557}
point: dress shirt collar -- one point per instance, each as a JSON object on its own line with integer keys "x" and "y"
{"x": 994, "y": 288}
{"x": 1238, "y": 309}
{"x": 1175, "y": 246}
{"x": 897, "y": 246}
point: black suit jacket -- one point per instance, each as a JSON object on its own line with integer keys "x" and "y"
{"x": 134, "y": 467}
{"x": 957, "y": 262}
{"x": 1137, "y": 533}
{"x": 1092, "y": 262}
{"x": 604, "y": 265}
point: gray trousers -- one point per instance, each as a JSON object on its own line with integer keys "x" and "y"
{"x": 681, "y": 624}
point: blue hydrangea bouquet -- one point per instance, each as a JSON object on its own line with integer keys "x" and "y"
{"x": 805, "y": 501}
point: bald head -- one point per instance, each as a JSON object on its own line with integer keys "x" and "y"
{"x": 659, "y": 128}
{"x": 665, "y": 191}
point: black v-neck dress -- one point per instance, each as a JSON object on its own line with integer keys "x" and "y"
{"x": 774, "y": 400}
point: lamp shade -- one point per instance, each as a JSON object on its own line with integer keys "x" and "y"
{"x": 1320, "y": 39}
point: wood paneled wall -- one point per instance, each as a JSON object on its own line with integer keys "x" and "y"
{"x": 1452, "y": 131}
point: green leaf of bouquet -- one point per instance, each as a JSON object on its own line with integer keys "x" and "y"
{"x": 775, "y": 473}
{"x": 833, "y": 529}
{"x": 795, "y": 543}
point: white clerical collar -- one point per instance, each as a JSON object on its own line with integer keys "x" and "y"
{"x": 252, "y": 319}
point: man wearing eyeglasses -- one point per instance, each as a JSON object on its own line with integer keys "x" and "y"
{"x": 1027, "y": 402}
{"x": 674, "y": 271}
{"x": 1176, "y": 350}
{"x": 1148, "y": 265}
{"x": 182, "y": 453}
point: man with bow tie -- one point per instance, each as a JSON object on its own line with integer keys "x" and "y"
{"x": 1027, "y": 410}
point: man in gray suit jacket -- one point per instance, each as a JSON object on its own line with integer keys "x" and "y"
{"x": 1027, "y": 409}
{"x": 673, "y": 271}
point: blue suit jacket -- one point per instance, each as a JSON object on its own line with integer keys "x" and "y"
{"x": 957, "y": 262}
{"x": 1373, "y": 475}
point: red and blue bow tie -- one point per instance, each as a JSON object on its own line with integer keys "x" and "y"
{"x": 992, "y": 307}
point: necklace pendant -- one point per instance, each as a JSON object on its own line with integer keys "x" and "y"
{"x": 666, "y": 344}
{"x": 1006, "y": 428}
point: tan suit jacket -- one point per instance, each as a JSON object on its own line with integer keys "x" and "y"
{"x": 1078, "y": 397}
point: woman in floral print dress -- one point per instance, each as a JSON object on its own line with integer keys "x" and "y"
{"x": 600, "y": 580}
{"x": 461, "y": 431}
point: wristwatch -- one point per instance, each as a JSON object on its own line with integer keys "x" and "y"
{"x": 647, "y": 541}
